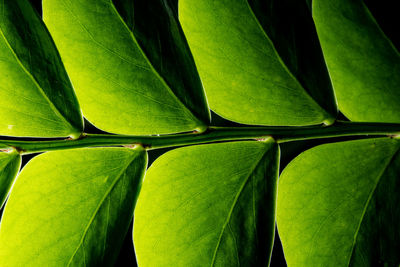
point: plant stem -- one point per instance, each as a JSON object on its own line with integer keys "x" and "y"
{"x": 212, "y": 134}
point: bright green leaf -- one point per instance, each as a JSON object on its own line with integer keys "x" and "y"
{"x": 162, "y": 40}
{"x": 362, "y": 61}
{"x": 9, "y": 166}
{"x": 71, "y": 208}
{"x": 339, "y": 205}
{"x": 260, "y": 62}
{"x": 36, "y": 95}
{"x": 129, "y": 82}
{"x": 208, "y": 205}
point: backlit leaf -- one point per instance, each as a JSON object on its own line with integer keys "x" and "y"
{"x": 36, "y": 95}
{"x": 362, "y": 61}
{"x": 129, "y": 63}
{"x": 71, "y": 208}
{"x": 260, "y": 61}
{"x": 339, "y": 205}
{"x": 208, "y": 205}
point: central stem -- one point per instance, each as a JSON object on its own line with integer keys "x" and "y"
{"x": 212, "y": 134}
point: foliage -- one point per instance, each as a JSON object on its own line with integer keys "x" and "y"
{"x": 147, "y": 73}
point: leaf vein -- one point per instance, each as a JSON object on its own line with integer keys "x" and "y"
{"x": 235, "y": 201}
{"x": 161, "y": 79}
{"x": 81, "y": 243}
{"x": 31, "y": 77}
{"x": 397, "y": 152}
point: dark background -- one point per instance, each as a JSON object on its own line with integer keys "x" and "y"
{"x": 386, "y": 15}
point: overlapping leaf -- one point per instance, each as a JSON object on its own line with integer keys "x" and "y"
{"x": 339, "y": 205}
{"x": 129, "y": 63}
{"x": 260, "y": 61}
{"x": 363, "y": 62}
{"x": 208, "y": 205}
{"x": 71, "y": 208}
{"x": 9, "y": 166}
{"x": 36, "y": 96}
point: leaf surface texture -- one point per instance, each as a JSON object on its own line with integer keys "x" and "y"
{"x": 338, "y": 205}
{"x": 71, "y": 208}
{"x": 36, "y": 95}
{"x": 260, "y": 61}
{"x": 129, "y": 80}
{"x": 362, "y": 61}
{"x": 208, "y": 205}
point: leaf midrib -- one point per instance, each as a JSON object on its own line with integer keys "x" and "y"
{"x": 370, "y": 196}
{"x": 95, "y": 213}
{"x": 155, "y": 72}
{"x": 326, "y": 114}
{"x": 35, "y": 82}
{"x": 235, "y": 201}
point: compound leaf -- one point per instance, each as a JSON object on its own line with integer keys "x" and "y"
{"x": 36, "y": 95}
{"x": 208, "y": 205}
{"x": 260, "y": 61}
{"x": 71, "y": 208}
{"x": 9, "y": 166}
{"x": 363, "y": 63}
{"x": 338, "y": 205}
{"x": 130, "y": 65}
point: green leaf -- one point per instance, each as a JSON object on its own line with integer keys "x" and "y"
{"x": 362, "y": 61}
{"x": 129, "y": 81}
{"x": 36, "y": 95}
{"x": 260, "y": 62}
{"x": 339, "y": 205}
{"x": 208, "y": 205}
{"x": 71, "y": 208}
{"x": 9, "y": 166}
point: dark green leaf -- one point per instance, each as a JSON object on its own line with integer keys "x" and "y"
{"x": 339, "y": 205}
{"x": 9, "y": 166}
{"x": 363, "y": 63}
{"x": 71, "y": 208}
{"x": 129, "y": 80}
{"x": 208, "y": 205}
{"x": 36, "y": 95}
{"x": 260, "y": 62}
{"x": 289, "y": 25}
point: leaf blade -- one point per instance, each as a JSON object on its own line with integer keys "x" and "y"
{"x": 337, "y": 212}
{"x": 204, "y": 216}
{"x": 291, "y": 29}
{"x": 47, "y": 107}
{"x": 359, "y": 56}
{"x": 164, "y": 44}
{"x": 240, "y": 67}
{"x": 79, "y": 217}
{"x": 137, "y": 85}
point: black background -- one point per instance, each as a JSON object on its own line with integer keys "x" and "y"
{"x": 386, "y": 14}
